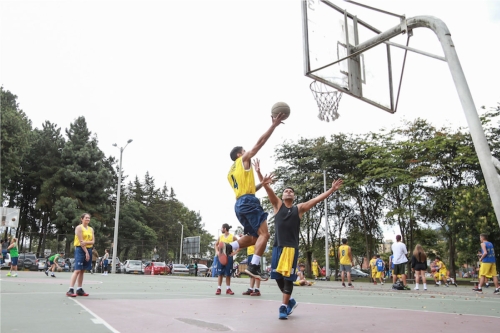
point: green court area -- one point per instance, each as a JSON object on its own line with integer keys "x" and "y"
{"x": 33, "y": 302}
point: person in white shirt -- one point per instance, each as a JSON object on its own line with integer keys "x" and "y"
{"x": 399, "y": 251}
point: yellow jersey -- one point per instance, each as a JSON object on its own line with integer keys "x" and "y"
{"x": 250, "y": 250}
{"x": 242, "y": 181}
{"x": 226, "y": 239}
{"x": 373, "y": 265}
{"x": 87, "y": 235}
{"x": 344, "y": 255}
{"x": 442, "y": 266}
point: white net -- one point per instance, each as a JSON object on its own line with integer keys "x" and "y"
{"x": 328, "y": 99}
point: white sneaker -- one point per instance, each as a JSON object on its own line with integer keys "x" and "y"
{"x": 416, "y": 288}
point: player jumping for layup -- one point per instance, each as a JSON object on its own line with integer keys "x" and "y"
{"x": 247, "y": 208}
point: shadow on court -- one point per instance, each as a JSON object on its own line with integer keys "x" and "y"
{"x": 136, "y": 303}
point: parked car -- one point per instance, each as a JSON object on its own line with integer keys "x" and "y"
{"x": 42, "y": 264}
{"x": 133, "y": 266}
{"x": 202, "y": 269}
{"x": 179, "y": 269}
{"x": 6, "y": 261}
{"x": 27, "y": 261}
{"x": 71, "y": 264}
{"x": 357, "y": 273}
{"x": 156, "y": 268}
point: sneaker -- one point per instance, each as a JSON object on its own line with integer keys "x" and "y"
{"x": 437, "y": 284}
{"x": 487, "y": 285}
{"x": 14, "y": 275}
{"x": 47, "y": 273}
{"x": 80, "y": 292}
{"x": 381, "y": 283}
{"x": 350, "y": 285}
{"x": 52, "y": 275}
{"x": 425, "y": 289}
{"x": 456, "y": 285}
{"x": 406, "y": 288}
{"x": 8, "y": 274}
{"x": 229, "y": 292}
{"x": 343, "y": 284}
{"x": 497, "y": 291}
{"x": 375, "y": 283}
{"x": 478, "y": 290}
{"x": 446, "y": 284}
{"x": 71, "y": 293}
{"x": 224, "y": 250}
{"x": 292, "y": 304}
{"x": 218, "y": 291}
{"x": 415, "y": 288}
{"x": 255, "y": 293}
{"x": 283, "y": 313}
{"x": 254, "y": 270}
{"x": 248, "y": 292}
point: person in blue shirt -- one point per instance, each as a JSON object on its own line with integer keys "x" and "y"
{"x": 379, "y": 263}
{"x": 488, "y": 266}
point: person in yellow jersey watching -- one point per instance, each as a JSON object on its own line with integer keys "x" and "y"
{"x": 345, "y": 256}
{"x": 84, "y": 241}
{"x": 373, "y": 266}
{"x": 254, "y": 283}
{"x": 248, "y": 208}
{"x": 225, "y": 270}
{"x": 315, "y": 268}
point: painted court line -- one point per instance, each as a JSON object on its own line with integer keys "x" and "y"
{"x": 96, "y": 319}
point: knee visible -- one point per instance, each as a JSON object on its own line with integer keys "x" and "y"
{"x": 265, "y": 235}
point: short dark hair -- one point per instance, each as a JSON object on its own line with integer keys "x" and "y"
{"x": 289, "y": 187}
{"x": 398, "y": 238}
{"x": 485, "y": 236}
{"x": 235, "y": 151}
{"x": 378, "y": 255}
{"x": 438, "y": 257}
{"x": 226, "y": 226}
{"x": 344, "y": 240}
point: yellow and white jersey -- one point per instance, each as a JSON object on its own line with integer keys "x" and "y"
{"x": 242, "y": 181}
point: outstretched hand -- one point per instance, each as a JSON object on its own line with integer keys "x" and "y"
{"x": 256, "y": 164}
{"x": 336, "y": 184}
{"x": 278, "y": 119}
{"x": 268, "y": 179}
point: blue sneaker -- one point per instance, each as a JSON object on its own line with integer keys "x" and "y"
{"x": 283, "y": 314}
{"x": 292, "y": 304}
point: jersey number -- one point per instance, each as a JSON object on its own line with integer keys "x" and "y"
{"x": 235, "y": 183}
{"x": 343, "y": 253}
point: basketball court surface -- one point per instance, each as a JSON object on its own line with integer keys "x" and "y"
{"x": 34, "y": 302}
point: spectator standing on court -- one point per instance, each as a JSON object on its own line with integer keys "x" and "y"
{"x": 399, "y": 251}
{"x": 315, "y": 268}
{"x": 104, "y": 262}
{"x": 379, "y": 265}
{"x": 95, "y": 255}
{"x": 488, "y": 266}
{"x": 345, "y": 255}
{"x": 419, "y": 265}
{"x": 225, "y": 270}
{"x": 373, "y": 269}
{"x": 84, "y": 241}
{"x": 254, "y": 283}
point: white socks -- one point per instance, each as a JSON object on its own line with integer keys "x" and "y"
{"x": 235, "y": 245}
{"x": 255, "y": 260}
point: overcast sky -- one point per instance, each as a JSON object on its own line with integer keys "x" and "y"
{"x": 189, "y": 80}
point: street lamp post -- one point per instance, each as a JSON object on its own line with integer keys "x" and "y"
{"x": 182, "y": 235}
{"x": 115, "y": 238}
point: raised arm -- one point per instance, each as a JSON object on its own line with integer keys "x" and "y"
{"x": 306, "y": 206}
{"x": 247, "y": 156}
{"x": 256, "y": 167}
{"x": 273, "y": 198}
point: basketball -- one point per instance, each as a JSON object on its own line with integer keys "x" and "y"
{"x": 59, "y": 269}
{"x": 280, "y": 107}
{"x": 433, "y": 270}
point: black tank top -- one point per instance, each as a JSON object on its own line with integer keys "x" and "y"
{"x": 287, "y": 226}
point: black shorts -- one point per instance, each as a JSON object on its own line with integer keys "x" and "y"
{"x": 399, "y": 269}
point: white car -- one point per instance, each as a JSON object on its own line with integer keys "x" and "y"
{"x": 133, "y": 267}
{"x": 179, "y": 269}
{"x": 6, "y": 261}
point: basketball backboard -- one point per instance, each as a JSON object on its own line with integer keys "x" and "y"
{"x": 330, "y": 33}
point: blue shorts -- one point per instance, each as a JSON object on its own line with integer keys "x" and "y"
{"x": 13, "y": 261}
{"x": 51, "y": 263}
{"x": 225, "y": 270}
{"x": 80, "y": 262}
{"x": 250, "y": 214}
{"x": 274, "y": 264}
{"x": 105, "y": 263}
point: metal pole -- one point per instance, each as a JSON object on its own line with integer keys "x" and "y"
{"x": 115, "y": 237}
{"x": 182, "y": 235}
{"x": 475, "y": 127}
{"x": 327, "y": 252}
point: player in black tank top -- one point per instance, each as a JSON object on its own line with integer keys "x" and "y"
{"x": 287, "y": 226}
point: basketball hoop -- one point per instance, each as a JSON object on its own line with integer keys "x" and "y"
{"x": 327, "y": 99}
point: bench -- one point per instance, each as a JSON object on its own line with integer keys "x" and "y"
{"x": 412, "y": 281}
